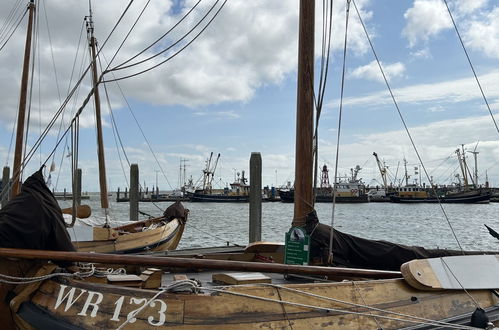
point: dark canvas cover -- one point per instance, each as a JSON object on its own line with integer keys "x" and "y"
{"x": 358, "y": 252}
{"x": 33, "y": 219}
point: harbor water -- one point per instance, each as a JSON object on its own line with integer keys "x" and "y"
{"x": 217, "y": 224}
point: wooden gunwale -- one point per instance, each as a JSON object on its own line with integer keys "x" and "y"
{"x": 194, "y": 263}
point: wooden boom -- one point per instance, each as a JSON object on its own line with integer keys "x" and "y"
{"x": 195, "y": 263}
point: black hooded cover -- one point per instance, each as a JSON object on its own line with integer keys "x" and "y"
{"x": 357, "y": 252}
{"x": 33, "y": 219}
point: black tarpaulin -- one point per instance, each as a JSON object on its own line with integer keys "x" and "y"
{"x": 357, "y": 252}
{"x": 33, "y": 219}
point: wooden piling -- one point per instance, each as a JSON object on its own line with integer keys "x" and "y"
{"x": 5, "y": 185}
{"x": 255, "y": 198}
{"x": 77, "y": 188}
{"x": 134, "y": 192}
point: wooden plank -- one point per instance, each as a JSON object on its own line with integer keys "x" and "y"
{"x": 240, "y": 278}
{"x": 264, "y": 247}
{"x": 456, "y": 272}
{"x": 195, "y": 263}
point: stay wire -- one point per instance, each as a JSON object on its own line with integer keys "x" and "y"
{"x": 116, "y": 134}
{"x": 14, "y": 30}
{"x": 9, "y": 20}
{"x": 327, "y": 22}
{"x": 160, "y": 38}
{"x": 340, "y": 112}
{"x": 29, "y": 155}
{"x": 122, "y": 66}
{"x": 129, "y": 31}
{"x": 173, "y": 55}
{"x": 471, "y": 66}
{"x": 405, "y": 125}
{"x": 141, "y": 131}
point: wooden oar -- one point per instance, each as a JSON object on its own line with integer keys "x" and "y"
{"x": 82, "y": 211}
{"x": 196, "y": 263}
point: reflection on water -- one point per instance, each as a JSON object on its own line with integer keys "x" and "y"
{"x": 215, "y": 224}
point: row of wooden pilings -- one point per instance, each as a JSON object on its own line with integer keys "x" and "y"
{"x": 255, "y": 198}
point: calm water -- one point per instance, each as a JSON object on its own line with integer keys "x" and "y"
{"x": 214, "y": 224}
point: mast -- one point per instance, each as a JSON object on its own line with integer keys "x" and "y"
{"x": 382, "y": 170}
{"x": 406, "y": 175}
{"x": 100, "y": 144}
{"x": 18, "y": 151}
{"x": 304, "y": 115}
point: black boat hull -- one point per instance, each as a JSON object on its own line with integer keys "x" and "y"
{"x": 482, "y": 198}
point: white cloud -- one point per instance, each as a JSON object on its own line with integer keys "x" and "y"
{"x": 483, "y": 33}
{"x": 371, "y": 71}
{"x": 425, "y": 19}
{"x": 469, "y": 6}
{"x": 423, "y": 53}
{"x": 448, "y": 91}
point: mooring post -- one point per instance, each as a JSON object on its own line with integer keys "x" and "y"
{"x": 5, "y": 185}
{"x": 134, "y": 192}
{"x": 77, "y": 191}
{"x": 255, "y": 208}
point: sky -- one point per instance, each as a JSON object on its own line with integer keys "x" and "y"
{"x": 232, "y": 89}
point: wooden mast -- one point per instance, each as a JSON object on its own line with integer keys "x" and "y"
{"x": 18, "y": 151}
{"x": 303, "y": 203}
{"x": 100, "y": 144}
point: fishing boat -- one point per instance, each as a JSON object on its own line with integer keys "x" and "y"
{"x": 349, "y": 298}
{"x": 238, "y": 192}
{"x": 158, "y": 233}
{"x": 414, "y": 193}
{"x": 348, "y": 189}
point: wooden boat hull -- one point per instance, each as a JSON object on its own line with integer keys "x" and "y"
{"x": 164, "y": 237}
{"x": 196, "y": 197}
{"x": 90, "y": 305}
{"x": 289, "y": 196}
{"x": 482, "y": 198}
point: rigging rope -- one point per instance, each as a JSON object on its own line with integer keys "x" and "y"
{"x": 401, "y": 317}
{"x": 405, "y": 125}
{"x": 173, "y": 55}
{"x": 335, "y": 183}
{"x": 471, "y": 66}
{"x": 13, "y": 31}
{"x": 160, "y": 38}
{"x": 123, "y": 66}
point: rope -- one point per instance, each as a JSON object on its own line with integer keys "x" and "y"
{"x": 365, "y": 304}
{"x": 7, "y": 279}
{"x": 405, "y": 125}
{"x": 175, "y": 54}
{"x": 459, "y": 282}
{"x": 157, "y": 40}
{"x": 471, "y": 66}
{"x": 335, "y": 184}
{"x": 178, "y": 286}
{"x": 410, "y": 318}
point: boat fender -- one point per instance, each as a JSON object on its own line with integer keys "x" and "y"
{"x": 479, "y": 319}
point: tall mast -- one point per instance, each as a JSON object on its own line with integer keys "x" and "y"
{"x": 304, "y": 198}
{"x": 100, "y": 144}
{"x": 18, "y": 151}
{"x": 382, "y": 170}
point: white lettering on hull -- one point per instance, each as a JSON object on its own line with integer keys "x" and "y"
{"x": 93, "y": 299}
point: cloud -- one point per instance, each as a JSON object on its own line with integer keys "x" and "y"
{"x": 455, "y": 91}
{"x": 425, "y": 19}
{"x": 435, "y": 141}
{"x": 371, "y": 71}
{"x": 483, "y": 33}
